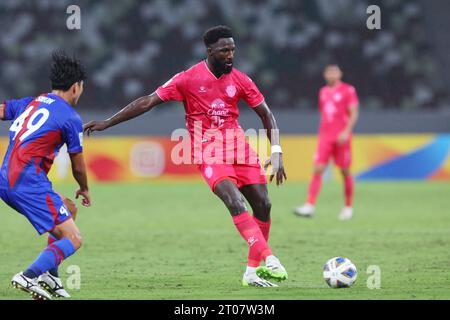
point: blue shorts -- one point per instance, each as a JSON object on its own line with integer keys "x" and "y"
{"x": 43, "y": 208}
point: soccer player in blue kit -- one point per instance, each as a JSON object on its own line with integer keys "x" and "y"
{"x": 40, "y": 127}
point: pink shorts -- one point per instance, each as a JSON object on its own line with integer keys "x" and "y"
{"x": 240, "y": 174}
{"x": 327, "y": 148}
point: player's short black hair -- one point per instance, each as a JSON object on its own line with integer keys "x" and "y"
{"x": 213, "y": 34}
{"x": 65, "y": 71}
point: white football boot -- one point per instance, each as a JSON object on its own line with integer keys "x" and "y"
{"x": 19, "y": 281}
{"x": 252, "y": 279}
{"x": 346, "y": 213}
{"x": 53, "y": 285}
{"x": 307, "y": 210}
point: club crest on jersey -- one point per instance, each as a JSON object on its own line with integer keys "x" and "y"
{"x": 218, "y": 108}
{"x": 231, "y": 91}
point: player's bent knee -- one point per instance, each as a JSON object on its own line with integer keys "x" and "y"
{"x": 267, "y": 208}
{"x": 267, "y": 204}
{"x": 263, "y": 211}
{"x": 237, "y": 207}
{"x": 74, "y": 237}
{"x": 76, "y": 240}
{"x": 264, "y": 206}
{"x": 231, "y": 197}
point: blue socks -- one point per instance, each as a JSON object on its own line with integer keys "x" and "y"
{"x": 53, "y": 271}
{"x": 50, "y": 258}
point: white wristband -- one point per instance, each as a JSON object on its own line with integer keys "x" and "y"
{"x": 276, "y": 149}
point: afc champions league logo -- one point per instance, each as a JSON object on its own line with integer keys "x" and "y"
{"x": 231, "y": 91}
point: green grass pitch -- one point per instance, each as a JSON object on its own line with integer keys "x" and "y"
{"x": 177, "y": 241}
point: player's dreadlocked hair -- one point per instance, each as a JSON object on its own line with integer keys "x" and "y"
{"x": 65, "y": 71}
{"x": 213, "y": 34}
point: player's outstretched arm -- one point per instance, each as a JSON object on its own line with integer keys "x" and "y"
{"x": 134, "y": 109}
{"x": 273, "y": 134}
{"x": 80, "y": 175}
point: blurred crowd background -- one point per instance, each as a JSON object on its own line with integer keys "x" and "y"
{"x": 131, "y": 47}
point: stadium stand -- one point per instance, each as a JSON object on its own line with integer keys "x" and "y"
{"x": 129, "y": 48}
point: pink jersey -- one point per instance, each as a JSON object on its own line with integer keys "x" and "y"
{"x": 210, "y": 100}
{"x": 334, "y": 105}
{"x": 210, "y": 103}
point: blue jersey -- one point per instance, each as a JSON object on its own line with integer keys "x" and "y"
{"x": 40, "y": 126}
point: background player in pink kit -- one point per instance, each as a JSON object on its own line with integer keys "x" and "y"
{"x": 338, "y": 105}
{"x": 40, "y": 126}
{"x": 210, "y": 91}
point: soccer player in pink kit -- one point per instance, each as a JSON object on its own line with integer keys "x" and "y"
{"x": 210, "y": 91}
{"x": 338, "y": 104}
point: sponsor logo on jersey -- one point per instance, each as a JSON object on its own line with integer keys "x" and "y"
{"x": 218, "y": 109}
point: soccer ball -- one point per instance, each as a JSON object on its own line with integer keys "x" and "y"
{"x": 339, "y": 272}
